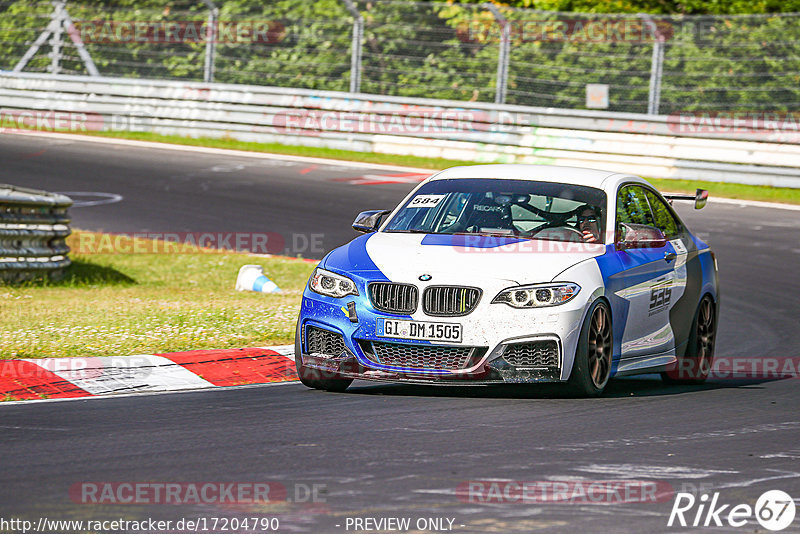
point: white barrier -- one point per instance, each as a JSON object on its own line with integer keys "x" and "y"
{"x": 653, "y": 146}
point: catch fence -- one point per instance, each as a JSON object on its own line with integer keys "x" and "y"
{"x": 467, "y": 52}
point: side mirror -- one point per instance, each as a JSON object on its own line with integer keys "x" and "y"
{"x": 700, "y": 199}
{"x": 369, "y": 221}
{"x": 639, "y": 236}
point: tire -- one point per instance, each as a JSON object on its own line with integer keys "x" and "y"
{"x": 695, "y": 364}
{"x": 591, "y": 369}
{"x": 316, "y": 378}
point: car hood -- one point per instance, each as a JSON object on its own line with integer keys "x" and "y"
{"x": 458, "y": 259}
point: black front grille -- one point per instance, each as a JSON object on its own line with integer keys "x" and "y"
{"x": 393, "y": 298}
{"x": 540, "y": 354}
{"x": 450, "y": 301}
{"x": 422, "y": 356}
{"x": 319, "y": 341}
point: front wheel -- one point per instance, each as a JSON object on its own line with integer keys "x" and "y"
{"x": 695, "y": 364}
{"x": 316, "y": 378}
{"x": 591, "y": 369}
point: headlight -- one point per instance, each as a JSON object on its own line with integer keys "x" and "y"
{"x": 331, "y": 284}
{"x": 538, "y": 296}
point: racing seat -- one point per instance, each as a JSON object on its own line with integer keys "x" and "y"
{"x": 487, "y": 217}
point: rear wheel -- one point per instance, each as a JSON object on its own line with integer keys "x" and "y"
{"x": 316, "y": 378}
{"x": 695, "y": 364}
{"x": 591, "y": 369}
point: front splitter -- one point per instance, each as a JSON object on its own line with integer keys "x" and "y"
{"x": 349, "y": 367}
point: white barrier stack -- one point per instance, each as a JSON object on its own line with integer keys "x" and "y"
{"x": 33, "y": 228}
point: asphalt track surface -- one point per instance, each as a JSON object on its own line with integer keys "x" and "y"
{"x": 387, "y": 451}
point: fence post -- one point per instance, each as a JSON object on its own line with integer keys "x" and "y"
{"x": 355, "y": 53}
{"x": 503, "y": 56}
{"x": 56, "y": 38}
{"x": 74, "y": 35}
{"x": 211, "y": 41}
{"x": 59, "y": 21}
{"x": 40, "y": 41}
{"x": 656, "y": 67}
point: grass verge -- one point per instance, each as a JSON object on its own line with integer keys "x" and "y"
{"x": 123, "y": 304}
{"x": 728, "y": 190}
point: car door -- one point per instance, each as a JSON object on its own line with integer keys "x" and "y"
{"x": 645, "y": 282}
{"x": 687, "y": 279}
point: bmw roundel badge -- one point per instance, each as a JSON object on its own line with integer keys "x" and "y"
{"x": 425, "y": 277}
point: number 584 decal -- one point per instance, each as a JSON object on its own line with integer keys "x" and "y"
{"x": 660, "y": 295}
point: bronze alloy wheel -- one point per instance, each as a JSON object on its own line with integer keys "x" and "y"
{"x": 694, "y": 366}
{"x": 600, "y": 347}
{"x": 706, "y": 330}
{"x": 591, "y": 369}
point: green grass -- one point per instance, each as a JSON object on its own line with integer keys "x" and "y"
{"x": 292, "y": 150}
{"x": 787, "y": 195}
{"x": 728, "y": 190}
{"x": 124, "y": 304}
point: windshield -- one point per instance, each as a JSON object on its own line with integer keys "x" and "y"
{"x": 520, "y": 208}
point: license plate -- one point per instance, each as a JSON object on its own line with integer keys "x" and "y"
{"x": 419, "y": 330}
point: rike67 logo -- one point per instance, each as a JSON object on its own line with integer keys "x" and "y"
{"x": 774, "y": 510}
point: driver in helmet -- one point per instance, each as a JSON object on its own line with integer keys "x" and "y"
{"x": 589, "y": 223}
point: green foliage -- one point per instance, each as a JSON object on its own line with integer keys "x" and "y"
{"x": 450, "y": 50}
{"x": 662, "y": 7}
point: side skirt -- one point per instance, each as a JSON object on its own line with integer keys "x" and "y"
{"x": 652, "y": 363}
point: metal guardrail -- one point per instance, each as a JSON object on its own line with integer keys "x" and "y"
{"x": 33, "y": 228}
{"x": 654, "y": 146}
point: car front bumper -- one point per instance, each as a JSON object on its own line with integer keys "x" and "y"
{"x": 490, "y": 330}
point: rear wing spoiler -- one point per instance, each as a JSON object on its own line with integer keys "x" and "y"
{"x": 700, "y": 198}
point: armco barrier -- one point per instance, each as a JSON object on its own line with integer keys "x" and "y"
{"x": 653, "y": 146}
{"x": 33, "y": 228}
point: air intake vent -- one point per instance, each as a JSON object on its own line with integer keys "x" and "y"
{"x": 324, "y": 342}
{"x": 419, "y": 356}
{"x": 393, "y": 298}
{"x": 450, "y": 301}
{"x": 541, "y": 354}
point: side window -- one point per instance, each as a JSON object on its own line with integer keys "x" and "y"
{"x": 632, "y": 206}
{"x": 664, "y": 220}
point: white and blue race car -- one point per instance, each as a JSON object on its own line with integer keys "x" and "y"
{"x": 492, "y": 274}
